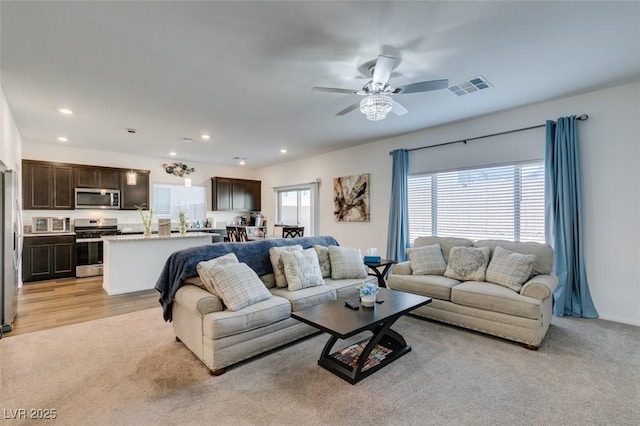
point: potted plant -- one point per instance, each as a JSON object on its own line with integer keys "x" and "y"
{"x": 368, "y": 293}
{"x": 146, "y": 219}
{"x": 183, "y": 221}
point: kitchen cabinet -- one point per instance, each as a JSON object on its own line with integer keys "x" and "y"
{"x": 134, "y": 195}
{"x": 47, "y": 186}
{"x": 97, "y": 177}
{"x": 228, "y": 194}
{"x": 46, "y": 257}
{"x": 51, "y": 186}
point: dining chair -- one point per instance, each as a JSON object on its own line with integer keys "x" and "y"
{"x": 236, "y": 234}
{"x": 292, "y": 232}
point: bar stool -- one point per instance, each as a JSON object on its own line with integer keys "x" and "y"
{"x": 292, "y": 231}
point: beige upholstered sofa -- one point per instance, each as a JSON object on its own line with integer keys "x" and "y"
{"x": 220, "y": 337}
{"x": 523, "y": 316}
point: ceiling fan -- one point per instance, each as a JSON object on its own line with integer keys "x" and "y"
{"x": 377, "y": 101}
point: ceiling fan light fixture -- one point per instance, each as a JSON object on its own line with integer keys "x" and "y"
{"x": 376, "y": 106}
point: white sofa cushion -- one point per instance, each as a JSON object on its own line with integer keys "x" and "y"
{"x": 496, "y": 298}
{"x": 346, "y": 262}
{"x": 276, "y": 263}
{"x": 427, "y": 260}
{"x": 238, "y": 285}
{"x": 445, "y": 243}
{"x": 543, "y": 252}
{"x": 205, "y": 271}
{"x": 348, "y": 287}
{"x": 227, "y": 323}
{"x": 301, "y": 269}
{"x": 323, "y": 260}
{"x": 306, "y": 297}
{"x": 468, "y": 263}
{"x": 510, "y": 269}
{"x": 435, "y": 286}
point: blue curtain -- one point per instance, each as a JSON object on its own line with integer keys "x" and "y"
{"x": 398, "y": 239}
{"x": 564, "y": 220}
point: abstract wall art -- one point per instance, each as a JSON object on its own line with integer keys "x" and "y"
{"x": 351, "y": 198}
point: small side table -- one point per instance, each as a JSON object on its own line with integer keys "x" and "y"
{"x": 385, "y": 264}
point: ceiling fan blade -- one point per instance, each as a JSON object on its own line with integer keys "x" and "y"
{"x": 423, "y": 86}
{"x": 382, "y": 70}
{"x": 398, "y": 108}
{"x": 333, "y": 90}
{"x": 349, "y": 109}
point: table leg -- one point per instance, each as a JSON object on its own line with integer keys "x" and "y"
{"x": 382, "y": 334}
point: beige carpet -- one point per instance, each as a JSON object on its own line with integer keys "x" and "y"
{"x": 129, "y": 370}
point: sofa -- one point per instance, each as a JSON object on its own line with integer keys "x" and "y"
{"x": 220, "y": 336}
{"x": 519, "y": 311}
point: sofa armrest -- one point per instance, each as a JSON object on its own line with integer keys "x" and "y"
{"x": 402, "y": 268}
{"x": 540, "y": 287}
{"x": 198, "y": 300}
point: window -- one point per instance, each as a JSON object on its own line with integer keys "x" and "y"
{"x": 503, "y": 202}
{"x": 169, "y": 199}
{"x": 298, "y": 205}
{"x": 294, "y": 207}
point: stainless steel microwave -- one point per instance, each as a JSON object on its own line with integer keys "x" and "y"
{"x": 92, "y": 198}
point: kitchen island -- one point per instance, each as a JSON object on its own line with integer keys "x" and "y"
{"x": 134, "y": 262}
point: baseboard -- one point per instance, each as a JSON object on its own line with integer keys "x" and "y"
{"x": 619, "y": 319}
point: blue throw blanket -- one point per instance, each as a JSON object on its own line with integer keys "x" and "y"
{"x": 182, "y": 264}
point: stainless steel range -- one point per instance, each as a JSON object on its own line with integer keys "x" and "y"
{"x": 89, "y": 244}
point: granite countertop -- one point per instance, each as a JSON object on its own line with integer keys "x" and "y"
{"x": 126, "y": 231}
{"x": 49, "y": 234}
{"x": 136, "y": 237}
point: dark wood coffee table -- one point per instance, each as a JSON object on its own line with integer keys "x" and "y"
{"x": 357, "y": 361}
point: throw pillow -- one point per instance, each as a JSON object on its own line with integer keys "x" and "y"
{"x": 468, "y": 263}
{"x": 323, "y": 260}
{"x": 346, "y": 263}
{"x": 510, "y": 269}
{"x": 205, "y": 270}
{"x": 238, "y": 285}
{"x": 427, "y": 260}
{"x": 276, "y": 262}
{"x": 301, "y": 269}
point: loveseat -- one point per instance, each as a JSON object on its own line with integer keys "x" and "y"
{"x": 517, "y": 305}
{"x": 221, "y": 335}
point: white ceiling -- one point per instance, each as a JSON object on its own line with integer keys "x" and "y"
{"x": 243, "y": 71}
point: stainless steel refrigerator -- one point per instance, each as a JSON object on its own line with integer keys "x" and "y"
{"x": 11, "y": 249}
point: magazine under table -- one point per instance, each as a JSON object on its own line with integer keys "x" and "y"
{"x": 355, "y": 362}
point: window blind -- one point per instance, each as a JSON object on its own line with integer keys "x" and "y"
{"x": 500, "y": 202}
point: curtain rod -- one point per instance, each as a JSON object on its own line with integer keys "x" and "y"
{"x": 583, "y": 117}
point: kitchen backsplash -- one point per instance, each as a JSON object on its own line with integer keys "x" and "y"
{"x": 127, "y": 218}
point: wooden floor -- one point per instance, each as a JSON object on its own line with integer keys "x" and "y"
{"x": 49, "y": 304}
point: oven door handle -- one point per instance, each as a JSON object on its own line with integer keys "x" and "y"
{"x": 89, "y": 240}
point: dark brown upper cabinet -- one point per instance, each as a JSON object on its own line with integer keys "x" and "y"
{"x": 229, "y": 194}
{"x": 134, "y": 195}
{"x": 47, "y": 186}
{"x": 51, "y": 186}
{"x": 97, "y": 177}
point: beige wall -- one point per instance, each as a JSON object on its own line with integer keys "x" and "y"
{"x": 10, "y": 140}
{"x": 611, "y": 194}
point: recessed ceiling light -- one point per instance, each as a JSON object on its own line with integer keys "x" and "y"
{"x": 283, "y": 151}
{"x": 242, "y": 162}
{"x": 62, "y": 139}
{"x": 65, "y": 111}
{"x": 205, "y": 137}
{"x": 172, "y": 153}
{"x": 187, "y": 140}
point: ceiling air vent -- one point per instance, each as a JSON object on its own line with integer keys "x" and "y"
{"x": 469, "y": 86}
